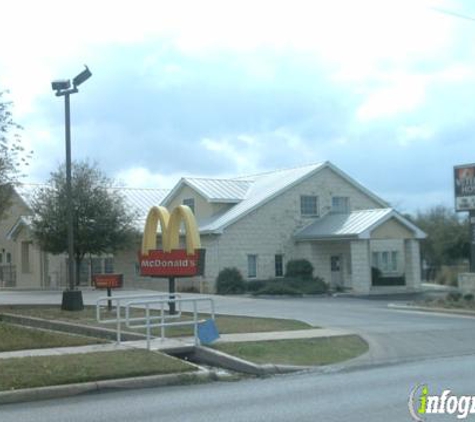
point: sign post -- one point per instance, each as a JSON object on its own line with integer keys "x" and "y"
{"x": 171, "y": 261}
{"x": 109, "y": 282}
{"x": 464, "y": 186}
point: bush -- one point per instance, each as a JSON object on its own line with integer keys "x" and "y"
{"x": 299, "y": 268}
{"x": 288, "y": 285}
{"x": 454, "y": 296}
{"x": 255, "y": 285}
{"x": 277, "y": 288}
{"x": 468, "y": 297}
{"x": 314, "y": 286}
{"x": 447, "y": 276}
{"x": 230, "y": 281}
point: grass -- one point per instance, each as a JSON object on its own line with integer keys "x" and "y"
{"x": 34, "y": 372}
{"x": 227, "y": 324}
{"x": 306, "y": 352}
{"x": 452, "y": 301}
{"x": 20, "y": 338}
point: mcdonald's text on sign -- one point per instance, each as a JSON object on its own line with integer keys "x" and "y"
{"x": 176, "y": 263}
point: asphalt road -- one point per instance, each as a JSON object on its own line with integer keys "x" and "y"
{"x": 363, "y": 394}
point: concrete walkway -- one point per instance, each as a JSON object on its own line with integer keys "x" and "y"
{"x": 176, "y": 343}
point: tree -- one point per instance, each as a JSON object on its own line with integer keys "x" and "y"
{"x": 102, "y": 221}
{"x": 448, "y": 235}
{"x": 12, "y": 153}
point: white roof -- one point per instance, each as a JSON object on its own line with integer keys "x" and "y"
{"x": 357, "y": 224}
{"x": 262, "y": 188}
{"x": 27, "y": 191}
{"x": 142, "y": 200}
{"x": 138, "y": 199}
{"x": 214, "y": 190}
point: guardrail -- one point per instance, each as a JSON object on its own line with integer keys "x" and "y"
{"x": 148, "y": 319}
{"x": 119, "y": 302}
{"x": 153, "y": 303}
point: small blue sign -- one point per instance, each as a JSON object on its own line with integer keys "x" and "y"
{"x": 207, "y": 331}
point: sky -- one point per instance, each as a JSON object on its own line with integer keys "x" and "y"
{"x": 384, "y": 89}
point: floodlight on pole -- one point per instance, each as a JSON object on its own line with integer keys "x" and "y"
{"x": 72, "y": 298}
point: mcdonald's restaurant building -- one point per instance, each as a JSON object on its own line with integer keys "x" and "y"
{"x": 256, "y": 224}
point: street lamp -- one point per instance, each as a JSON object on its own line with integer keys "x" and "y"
{"x": 72, "y": 298}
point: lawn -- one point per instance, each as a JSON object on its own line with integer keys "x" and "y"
{"x": 21, "y": 338}
{"x": 67, "y": 369}
{"x": 227, "y": 324}
{"x": 306, "y": 352}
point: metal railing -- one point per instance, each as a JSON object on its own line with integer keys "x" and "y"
{"x": 148, "y": 304}
{"x": 162, "y": 318}
{"x": 119, "y": 307}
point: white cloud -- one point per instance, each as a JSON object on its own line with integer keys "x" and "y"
{"x": 409, "y": 135}
{"x": 404, "y": 96}
{"x": 140, "y": 177}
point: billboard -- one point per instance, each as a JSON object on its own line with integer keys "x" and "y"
{"x": 464, "y": 186}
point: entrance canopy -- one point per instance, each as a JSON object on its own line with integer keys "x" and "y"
{"x": 364, "y": 224}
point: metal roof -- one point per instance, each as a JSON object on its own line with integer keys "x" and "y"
{"x": 138, "y": 199}
{"x": 357, "y": 224}
{"x": 142, "y": 200}
{"x": 27, "y": 191}
{"x": 262, "y": 189}
{"x": 220, "y": 190}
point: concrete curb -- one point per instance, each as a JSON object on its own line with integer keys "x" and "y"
{"x": 233, "y": 363}
{"x": 58, "y": 391}
{"x": 462, "y": 312}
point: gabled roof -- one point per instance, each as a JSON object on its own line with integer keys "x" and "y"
{"x": 27, "y": 191}
{"x": 213, "y": 190}
{"x": 355, "y": 225}
{"x": 267, "y": 186}
{"x": 23, "y": 221}
{"x": 142, "y": 200}
{"x": 264, "y": 188}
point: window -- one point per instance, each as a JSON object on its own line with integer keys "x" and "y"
{"x": 1, "y": 258}
{"x": 386, "y": 261}
{"x": 279, "y": 265}
{"x": 190, "y": 202}
{"x": 341, "y": 204}
{"x": 25, "y": 257}
{"x": 9, "y": 258}
{"x": 252, "y": 266}
{"x": 109, "y": 265}
{"x": 309, "y": 205}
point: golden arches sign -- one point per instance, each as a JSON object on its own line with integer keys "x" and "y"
{"x": 171, "y": 261}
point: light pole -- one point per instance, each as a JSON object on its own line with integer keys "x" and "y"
{"x": 72, "y": 298}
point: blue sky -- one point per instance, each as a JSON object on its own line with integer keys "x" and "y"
{"x": 383, "y": 89}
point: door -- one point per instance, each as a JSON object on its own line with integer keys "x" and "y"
{"x": 336, "y": 271}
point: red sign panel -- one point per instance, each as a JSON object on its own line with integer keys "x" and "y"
{"x": 108, "y": 281}
{"x": 176, "y": 263}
